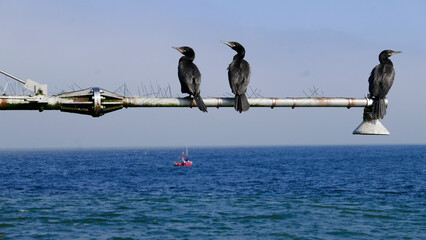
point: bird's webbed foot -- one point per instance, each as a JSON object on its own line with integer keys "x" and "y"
{"x": 191, "y": 104}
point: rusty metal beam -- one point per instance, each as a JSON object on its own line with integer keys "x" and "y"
{"x": 96, "y": 102}
{"x": 54, "y": 102}
{"x": 254, "y": 102}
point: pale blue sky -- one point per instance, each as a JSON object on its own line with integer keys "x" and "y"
{"x": 291, "y": 46}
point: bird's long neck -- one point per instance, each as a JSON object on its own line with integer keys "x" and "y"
{"x": 187, "y": 58}
{"x": 240, "y": 55}
{"x": 385, "y": 60}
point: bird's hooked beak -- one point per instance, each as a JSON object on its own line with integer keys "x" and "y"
{"x": 229, "y": 44}
{"x": 179, "y": 49}
{"x": 394, "y": 52}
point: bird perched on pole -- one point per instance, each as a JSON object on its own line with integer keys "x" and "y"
{"x": 190, "y": 76}
{"x": 239, "y": 77}
{"x": 380, "y": 82}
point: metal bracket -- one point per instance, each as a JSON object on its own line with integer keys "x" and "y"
{"x": 91, "y": 101}
{"x": 33, "y": 86}
{"x": 369, "y": 125}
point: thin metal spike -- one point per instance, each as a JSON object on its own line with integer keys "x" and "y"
{"x": 5, "y": 88}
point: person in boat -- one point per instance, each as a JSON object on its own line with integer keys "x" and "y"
{"x": 183, "y": 158}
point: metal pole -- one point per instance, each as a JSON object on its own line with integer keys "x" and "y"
{"x": 27, "y": 102}
{"x": 254, "y": 102}
{"x": 13, "y": 77}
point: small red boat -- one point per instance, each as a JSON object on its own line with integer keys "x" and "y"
{"x": 183, "y": 164}
{"x": 184, "y": 160}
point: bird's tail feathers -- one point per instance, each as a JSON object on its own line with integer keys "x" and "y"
{"x": 200, "y": 103}
{"x": 379, "y": 108}
{"x": 241, "y": 103}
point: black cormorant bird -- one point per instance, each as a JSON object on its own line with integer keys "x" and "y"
{"x": 239, "y": 77}
{"x": 190, "y": 76}
{"x": 380, "y": 82}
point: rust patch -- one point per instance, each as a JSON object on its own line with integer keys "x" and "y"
{"x": 274, "y": 102}
{"x": 80, "y": 99}
{"x": 350, "y": 103}
{"x": 3, "y": 103}
{"x": 324, "y": 101}
{"x": 219, "y": 102}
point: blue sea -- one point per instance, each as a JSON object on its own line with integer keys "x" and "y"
{"x": 330, "y": 192}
